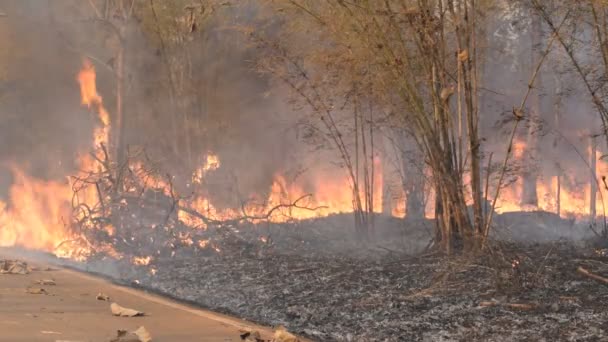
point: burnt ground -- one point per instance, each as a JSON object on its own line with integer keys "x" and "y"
{"x": 341, "y": 290}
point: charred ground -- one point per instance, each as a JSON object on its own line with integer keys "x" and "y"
{"x": 333, "y": 289}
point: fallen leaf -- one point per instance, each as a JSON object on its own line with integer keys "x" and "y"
{"x": 118, "y": 310}
{"x": 48, "y": 332}
{"x": 14, "y": 267}
{"x": 250, "y": 336}
{"x": 143, "y": 334}
{"x": 102, "y": 296}
{"x": 46, "y": 282}
{"x": 463, "y": 55}
{"x": 282, "y": 335}
{"x": 36, "y": 290}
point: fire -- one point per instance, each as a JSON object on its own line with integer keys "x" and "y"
{"x": 212, "y": 162}
{"x": 324, "y": 196}
{"x": 142, "y": 261}
{"x": 574, "y": 198}
{"x": 89, "y": 96}
{"x": 40, "y": 213}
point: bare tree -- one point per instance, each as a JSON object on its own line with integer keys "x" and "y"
{"x": 420, "y": 57}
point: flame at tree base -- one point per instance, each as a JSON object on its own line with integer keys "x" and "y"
{"x": 48, "y": 216}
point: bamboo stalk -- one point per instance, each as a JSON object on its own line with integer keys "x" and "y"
{"x": 518, "y": 117}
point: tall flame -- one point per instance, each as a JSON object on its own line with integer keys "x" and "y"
{"x": 87, "y": 78}
{"x": 39, "y": 214}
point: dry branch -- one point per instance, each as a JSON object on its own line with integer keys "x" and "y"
{"x": 586, "y": 273}
{"x": 518, "y": 113}
{"x": 519, "y": 306}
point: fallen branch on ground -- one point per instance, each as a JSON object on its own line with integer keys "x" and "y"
{"x": 519, "y": 306}
{"x": 585, "y": 272}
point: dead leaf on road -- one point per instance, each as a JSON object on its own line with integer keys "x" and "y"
{"x": 13, "y": 267}
{"x": 46, "y": 282}
{"x": 36, "y": 290}
{"x": 282, "y": 335}
{"x": 250, "y": 336}
{"x": 139, "y": 335}
{"x": 143, "y": 334}
{"x": 102, "y": 296}
{"x": 118, "y": 310}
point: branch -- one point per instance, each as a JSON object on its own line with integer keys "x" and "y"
{"x": 518, "y": 112}
{"x": 586, "y": 273}
{"x": 99, "y": 16}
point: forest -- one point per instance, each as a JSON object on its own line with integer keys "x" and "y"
{"x": 353, "y": 170}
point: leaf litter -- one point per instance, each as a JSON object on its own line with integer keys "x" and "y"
{"x": 118, "y": 310}
{"x": 139, "y": 335}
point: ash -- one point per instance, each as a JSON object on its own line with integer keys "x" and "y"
{"x": 321, "y": 282}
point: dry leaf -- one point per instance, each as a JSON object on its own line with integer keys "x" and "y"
{"x": 36, "y": 290}
{"x": 250, "y": 335}
{"x": 463, "y": 55}
{"x": 446, "y": 93}
{"x": 118, "y": 310}
{"x": 102, "y": 296}
{"x": 46, "y": 282}
{"x": 143, "y": 334}
{"x": 14, "y": 267}
{"x": 282, "y": 335}
{"x": 519, "y": 114}
{"x": 139, "y": 335}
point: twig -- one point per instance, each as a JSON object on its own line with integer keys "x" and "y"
{"x": 519, "y": 306}
{"x": 585, "y": 272}
{"x": 95, "y": 9}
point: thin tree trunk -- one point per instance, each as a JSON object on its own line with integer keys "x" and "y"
{"x": 529, "y": 191}
{"x": 557, "y": 108}
{"x": 120, "y": 122}
{"x": 593, "y": 180}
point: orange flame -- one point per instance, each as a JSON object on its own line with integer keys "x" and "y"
{"x": 87, "y": 79}
{"x": 40, "y": 214}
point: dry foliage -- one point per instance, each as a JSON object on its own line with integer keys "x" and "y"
{"x": 118, "y": 310}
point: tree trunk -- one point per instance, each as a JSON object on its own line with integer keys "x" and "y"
{"x": 529, "y": 191}
{"x": 413, "y": 188}
{"x": 593, "y": 180}
{"x": 557, "y": 108}
{"x": 119, "y": 135}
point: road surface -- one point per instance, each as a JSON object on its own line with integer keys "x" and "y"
{"x": 70, "y": 312}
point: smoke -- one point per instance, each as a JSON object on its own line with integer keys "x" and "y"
{"x": 222, "y": 102}
{"x": 225, "y": 106}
